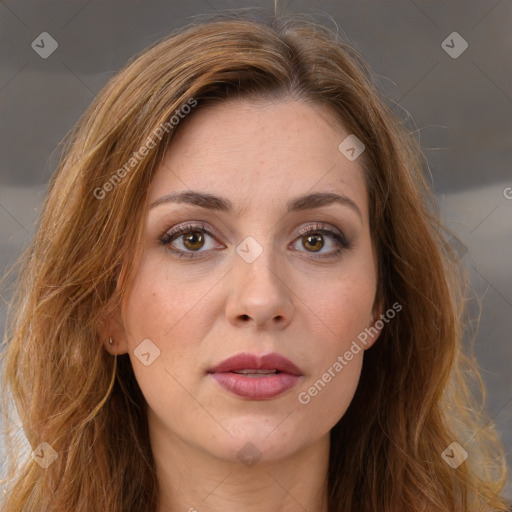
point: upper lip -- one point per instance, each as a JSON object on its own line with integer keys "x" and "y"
{"x": 245, "y": 361}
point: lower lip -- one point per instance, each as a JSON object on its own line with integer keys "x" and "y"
{"x": 256, "y": 388}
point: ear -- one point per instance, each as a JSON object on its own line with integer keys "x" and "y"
{"x": 111, "y": 327}
{"x": 375, "y": 322}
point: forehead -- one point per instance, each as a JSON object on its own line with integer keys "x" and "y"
{"x": 255, "y": 151}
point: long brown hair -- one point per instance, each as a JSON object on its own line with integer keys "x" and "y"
{"x": 414, "y": 397}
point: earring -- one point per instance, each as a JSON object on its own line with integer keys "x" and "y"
{"x": 110, "y": 341}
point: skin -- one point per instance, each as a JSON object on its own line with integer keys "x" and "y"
{"x": 198, "y": 312}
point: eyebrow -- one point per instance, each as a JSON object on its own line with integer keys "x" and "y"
{"x": 298, "y": 204}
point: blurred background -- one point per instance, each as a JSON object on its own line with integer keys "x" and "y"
{"x": 448, "y": 65}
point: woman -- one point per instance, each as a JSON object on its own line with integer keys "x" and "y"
{"x": 237, "y": 223}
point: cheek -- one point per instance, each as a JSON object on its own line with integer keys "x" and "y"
{"x": 327, "y": 396}
{"x": 171, "y": 310}
{"x": 162, "y": 303}
{"x": 157, "y": 310}
{"x": 335, "y": 361}
{"x": 340, "y": 310}
{"x": 338, "y": 313}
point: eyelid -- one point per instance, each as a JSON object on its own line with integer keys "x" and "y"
{"x": 319, "y": 226}
{"x": 189, "y": 226}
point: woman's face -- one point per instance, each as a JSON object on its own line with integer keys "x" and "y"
{"x": 252, "y": 274}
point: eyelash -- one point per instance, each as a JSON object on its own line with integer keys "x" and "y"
{"x": 167, "y": 237}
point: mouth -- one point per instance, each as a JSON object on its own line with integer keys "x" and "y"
{"x": 257, "y": 373}
{"x": 256, "y": 377}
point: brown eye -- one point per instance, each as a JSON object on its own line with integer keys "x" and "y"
{"x": 313, "y": 242}
{"x": 193, "y": 240}
{"x": 189, "y": 241}
{"x": 321, "y": 242}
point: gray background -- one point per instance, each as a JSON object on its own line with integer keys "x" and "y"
{"x": 460, "y": 109}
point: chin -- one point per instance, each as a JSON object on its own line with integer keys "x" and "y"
{"x": 256, "y": 439}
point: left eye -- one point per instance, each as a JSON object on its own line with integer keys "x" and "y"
{"x": 313, "y": 237}
{"x": 193, "y": 240}
{"x": 314, "y": 240}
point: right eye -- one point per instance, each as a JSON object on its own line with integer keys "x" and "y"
{"x": 192, "y": 236}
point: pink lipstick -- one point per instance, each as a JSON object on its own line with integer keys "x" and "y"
{"x": 256, "y": 377}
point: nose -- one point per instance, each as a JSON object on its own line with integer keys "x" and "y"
{"x": 259, "y": 294}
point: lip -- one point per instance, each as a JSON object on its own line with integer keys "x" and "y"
{"x": 256, "y": 388}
